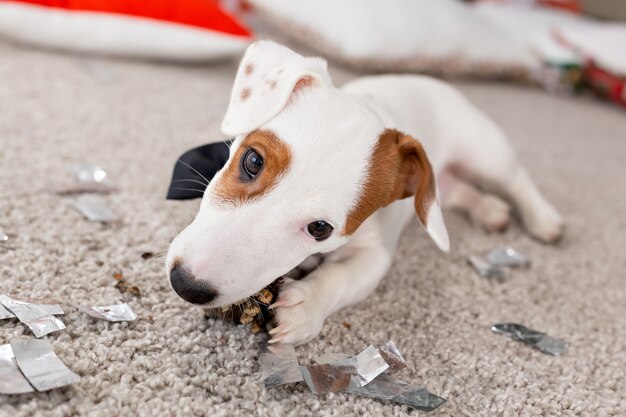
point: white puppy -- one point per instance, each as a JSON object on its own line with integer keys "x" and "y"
{"x": 316, "y": 169}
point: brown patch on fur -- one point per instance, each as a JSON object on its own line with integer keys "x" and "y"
{"x": 248, "y": 69}
{"x": 399, "y": 168}
{"x": 272, "y": 84}
{"x": 245, "y": 93}
{"x": 234, "y": 189}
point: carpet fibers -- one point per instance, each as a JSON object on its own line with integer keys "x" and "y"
{"x": 135, "y": 119}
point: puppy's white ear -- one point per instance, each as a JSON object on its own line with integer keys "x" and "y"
{"x": 267, "y": 77}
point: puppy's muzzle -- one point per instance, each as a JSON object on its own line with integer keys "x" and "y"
{"x": 189, "y": 288}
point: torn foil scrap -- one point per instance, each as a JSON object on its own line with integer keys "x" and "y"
{"x": 392, "y": 356}
{"x": 41, "y": 366}
{"x": 329, "y": 377}
{"x": 94, "y": 208}
{"x": 322, "y": 379}
{"x": 386, "y": 387}
{"x": 12, "y": 381}
{"x": 507, "y": 256}
{"x": 36, "y": 313}
{"x": 419, "y": 399}
{"x": 533, "y": 338}
{"x": 26, "y": 309}
{"x": 3, "y": 236}
{"x": 87, "y": 173}
{"x": 368, "y": 365}
{"x": 115, "y": 312}
{"x": 279, "y": 364}
{"x": 44, "y": 325}
{"x": 484, "y": 268}
{"x": 5, "y": 314}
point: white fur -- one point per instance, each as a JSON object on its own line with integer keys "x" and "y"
{"x": 114, "y": 34}
{"x": 331, "y": 133}
{"x": 380, "y": 30}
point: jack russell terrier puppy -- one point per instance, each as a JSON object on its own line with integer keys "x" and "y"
{"x": 316, "y": 169}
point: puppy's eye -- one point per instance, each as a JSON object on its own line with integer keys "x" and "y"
{"x": 319, "y": 230}
{"x": 252, "y": 163}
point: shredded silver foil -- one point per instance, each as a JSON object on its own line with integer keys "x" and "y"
{"x": 3, "y": 236}
{"x": 36, "y": 313}
{"x": 89, "y": 173}
{"x": 338, "y": 375}
{"x": 87, "y": 179}
{"x": 41, "y": 366}
{"x": 11, "y": 379}
{"x": 45, "y": 325}
{"x": 94, "y": 208}
{"x": 366, "y": 374}
{"x": 279, "y": 364}
{"x": 392, "y": 356}
{"x": 507, "y": 256}
{"x": 484, "y": 268}
{"x": 115, "y": 312}
{"x": 367, "y": 365}
{"x": 322, "y": 379}
{"x": 533, "y": 338}
{"x": 5, "y": 314}
{"x": 386, "y": 387}
{"x": 26, "y": 309}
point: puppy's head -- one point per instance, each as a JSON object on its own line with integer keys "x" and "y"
{"x": 309, "y": 165}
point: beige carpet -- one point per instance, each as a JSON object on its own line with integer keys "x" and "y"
{"x": 136, "y": 118}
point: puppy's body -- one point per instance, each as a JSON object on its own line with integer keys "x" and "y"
{"x": 345, "y": 161}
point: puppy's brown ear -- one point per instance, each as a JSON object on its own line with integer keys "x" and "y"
{"x": 416, "y": 178}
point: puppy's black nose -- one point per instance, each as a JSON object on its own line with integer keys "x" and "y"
{"x": 189, "y": 288}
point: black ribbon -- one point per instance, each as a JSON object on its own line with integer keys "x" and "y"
{"x": 196, "y": 167}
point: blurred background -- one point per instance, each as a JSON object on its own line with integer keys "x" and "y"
{"x": 130, "y": 85}
{"x": 562, "y": 46}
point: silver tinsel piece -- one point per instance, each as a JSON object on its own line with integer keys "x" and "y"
{"x": 11, "y": 379}
{"x": 386, "y": 387}
{"x": 115, "y": 312}
{"x": 507, "y": 256}
{"x": 44, "y": 325}
{"x": 367, "y": 365}
{"x": 392, "y": 356}
{"x": 533, "y": 338}
{"x": 41, "y": 366}
{"x": 484, "y": 268}
{"x": 87, "y": 173}
{"x": 279, "y": 364}
{"x": 26, "y": 309}
{"x": 322, "y": 379}
{"x": 365, "y": 374}
{"x": 94, "y": 208}
{"x": 5, "y": 314}
{"x": 37, "y": 314}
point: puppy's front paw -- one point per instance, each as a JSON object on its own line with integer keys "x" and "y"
{"x": 299, "y": 313}
{"x": 546, "y": 225}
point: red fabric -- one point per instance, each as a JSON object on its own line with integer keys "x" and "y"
{"x": 609, "y": 85}
{"x": 571, "y": 5}
{"x": 205, "y": 14}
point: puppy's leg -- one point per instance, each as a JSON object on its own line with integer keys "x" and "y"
{"x": 494, "y": 166}
{"x": 540, "y": 217}
{"x": 303, "y": 305}
{"x": 488, "y": 211}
